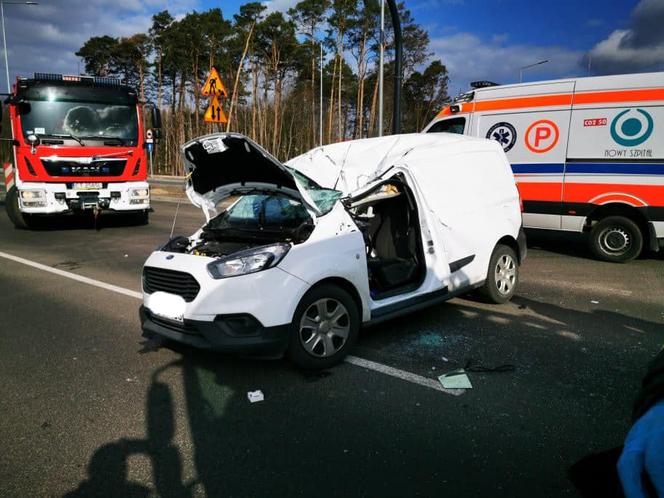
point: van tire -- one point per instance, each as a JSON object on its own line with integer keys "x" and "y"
{"x": 616, "y": 239}
{"x": 19, "y": 219}
{"x": 502, "y": 277}
{"x": 324, "y": 348}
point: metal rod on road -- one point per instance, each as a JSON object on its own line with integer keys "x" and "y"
{"x": 380, "y": 73}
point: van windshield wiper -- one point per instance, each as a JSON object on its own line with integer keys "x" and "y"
{"x": 64, "y": 135}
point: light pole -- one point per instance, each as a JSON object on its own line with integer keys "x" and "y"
{"x": 380, "y": 74}
{"x": 529, "y": 66}
{"x": 4, "y": 36}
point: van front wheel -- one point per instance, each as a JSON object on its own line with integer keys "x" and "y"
{"x": 503, "y": 275}
{"x": 324, "y": 328}
{"x": 616, "y": 239}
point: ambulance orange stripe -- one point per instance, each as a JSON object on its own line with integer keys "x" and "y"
{"x": 621, "y": 96}
{"x": 540, "y": 191}
{"x": 644, "y": 95}
{"x": 539, "y": 101}
{"x": 653, "y": 195}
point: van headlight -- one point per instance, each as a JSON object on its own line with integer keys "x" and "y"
{"x": 249, "y": 261}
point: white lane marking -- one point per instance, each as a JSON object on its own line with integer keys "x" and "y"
{"x": 354, "y": 360}
{"x": 402, "y": 374}
{"x": 73, "y": 276}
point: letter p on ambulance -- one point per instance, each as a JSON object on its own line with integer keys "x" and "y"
{"x": 542, "y": 136}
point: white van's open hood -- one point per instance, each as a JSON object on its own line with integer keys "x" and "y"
{"x": 222, "y": 164}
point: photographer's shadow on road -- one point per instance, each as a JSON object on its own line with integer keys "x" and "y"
{"x": 108, "y": 467}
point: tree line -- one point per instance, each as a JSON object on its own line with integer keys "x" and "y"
{"x": 270, "y": 64}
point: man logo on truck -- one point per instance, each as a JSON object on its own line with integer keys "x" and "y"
{"x": 630, "y": 129}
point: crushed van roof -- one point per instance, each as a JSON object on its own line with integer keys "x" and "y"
{"x": 349, "y": 165}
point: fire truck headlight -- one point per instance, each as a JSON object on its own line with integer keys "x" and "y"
{"x": 33, "y": 198}
{"x": 139, "y": 196}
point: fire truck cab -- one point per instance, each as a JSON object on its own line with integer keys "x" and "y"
{"x": 78, "y": 144}
{"x": 587, "y": 154}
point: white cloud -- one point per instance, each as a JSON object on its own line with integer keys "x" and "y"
{"x": 44, "y": 38}
{"x": 279, "y": 5}
{"x": 638, "y": 48}
{"x": 469, "y": 58}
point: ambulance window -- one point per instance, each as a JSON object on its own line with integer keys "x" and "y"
{"x": 454, "y": 125}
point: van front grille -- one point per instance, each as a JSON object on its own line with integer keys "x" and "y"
{"x": 174, "y": 282}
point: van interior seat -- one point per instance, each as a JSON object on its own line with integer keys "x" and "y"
{"x": 393, "y": 250}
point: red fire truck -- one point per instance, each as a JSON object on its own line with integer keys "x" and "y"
{"x": 79, "y": 143}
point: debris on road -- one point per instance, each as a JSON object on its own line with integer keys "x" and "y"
{"x": 456, "y": 379}
{"x": 255, "y": 396}
{"x": 472, "y": 366}
{"x": 594, "y": 302}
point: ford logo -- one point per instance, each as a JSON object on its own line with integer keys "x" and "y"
{"x": 170, "y": 256}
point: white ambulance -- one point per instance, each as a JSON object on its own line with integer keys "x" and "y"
{"x": 587, "y": 154}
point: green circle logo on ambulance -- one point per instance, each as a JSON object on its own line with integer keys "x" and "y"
{"x": 631, "y": 127}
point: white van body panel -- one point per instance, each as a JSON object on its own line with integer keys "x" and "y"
{"x": 463, "y": 192}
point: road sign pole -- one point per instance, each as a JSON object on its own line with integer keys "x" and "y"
{"x": 151, "y": 168}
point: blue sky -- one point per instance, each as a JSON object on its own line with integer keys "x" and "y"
{"x": 476, "y": 39}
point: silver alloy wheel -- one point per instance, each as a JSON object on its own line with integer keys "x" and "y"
{"x": 324, "y": 327}
{"x": 505, "y": 274}
{"x": 615, "y": 240}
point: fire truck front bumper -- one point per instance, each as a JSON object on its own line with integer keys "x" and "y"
{"x": 49, "y": 198}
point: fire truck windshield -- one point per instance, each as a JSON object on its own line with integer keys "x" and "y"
{"x": 47, "y": 112}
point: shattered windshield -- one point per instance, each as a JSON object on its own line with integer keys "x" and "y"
{"x": 324, "y": 198}
{"x": 87, "y": 113}
{"x": 262, "y": 211}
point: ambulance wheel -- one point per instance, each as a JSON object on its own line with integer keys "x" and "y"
{"x": 616, "y": 239}
{"x": 11, "y": 205}
{"x": 502, "y": 277}
{"x": 324, "y": 328}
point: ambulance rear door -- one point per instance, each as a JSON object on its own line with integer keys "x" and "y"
{"x": 616, "y": 151}
{"x": 531, "y": 123}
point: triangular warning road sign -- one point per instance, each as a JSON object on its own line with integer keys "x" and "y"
{"x": 214, "y": 87}
{"x": 214, "y": 113}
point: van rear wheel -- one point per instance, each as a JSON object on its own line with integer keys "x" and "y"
{"x": 503, "y": 275}
{"x": 324, "y": 328}
{"x": 616, "y": 239}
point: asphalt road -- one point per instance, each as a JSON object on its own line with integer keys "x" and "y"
{"x": 88, "y": 409}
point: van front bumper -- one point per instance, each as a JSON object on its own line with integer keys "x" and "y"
{"x": 239, "y": 333}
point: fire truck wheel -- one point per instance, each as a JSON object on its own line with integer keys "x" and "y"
{"x": 11, "y": 205}
{"x": 142, "y": 218}
{"x": 616, "y": 239}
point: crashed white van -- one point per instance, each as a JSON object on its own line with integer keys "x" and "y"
{"x": 296, "y": 258}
